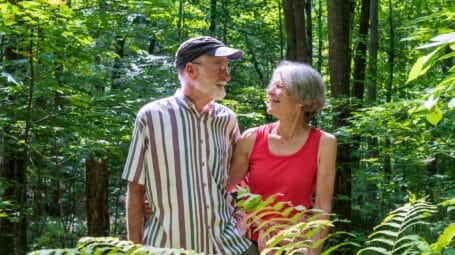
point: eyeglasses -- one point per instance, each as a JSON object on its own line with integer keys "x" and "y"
{"x": 221, "y": 69}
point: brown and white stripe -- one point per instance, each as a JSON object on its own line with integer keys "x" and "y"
{"x": 183, "y": 157}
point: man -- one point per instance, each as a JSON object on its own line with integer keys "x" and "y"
{"x": 180, "y": 155}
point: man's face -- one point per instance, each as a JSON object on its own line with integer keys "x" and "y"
{"x": 213, "y": 76}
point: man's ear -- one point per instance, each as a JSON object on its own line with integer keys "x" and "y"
{"x": 192, "y": 71}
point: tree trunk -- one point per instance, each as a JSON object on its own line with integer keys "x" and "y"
{"x": 294, "y": 16}
{"x": 309, "y": 31}
{"x": 389, "y": 86}
{"x": 226, "y": 18}
{"x": 319, "y": 15}
{"x": 97, "y": 197}
{"x": 212, "y": 27}
{"x": 358, "y": 85}
{"x": 390, "y": 55}
{"x": 181, "y": 20}
{"x": 339, "y": 68}
{"x": 116, "y": 69}
{"x": 280, "y": 19}
{"x": 373, "y": 52}
{"x": 13, "y": 234}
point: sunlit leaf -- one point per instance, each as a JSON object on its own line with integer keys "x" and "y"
{"x": 451, "y": 103}
{"x": 434, "y": 116}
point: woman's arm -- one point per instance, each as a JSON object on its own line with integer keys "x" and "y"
{"x": 325, "y": 182}
{"x": 240, "y": 160}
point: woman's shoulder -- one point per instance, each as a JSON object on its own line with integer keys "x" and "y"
{"x": 327, "y": 139}
{"x": 251, "y": 133}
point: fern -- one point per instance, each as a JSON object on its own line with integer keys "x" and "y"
{"x": 394, "y": 236}
{"x": 291, "y": 235}
{"x": 110, "y": 246}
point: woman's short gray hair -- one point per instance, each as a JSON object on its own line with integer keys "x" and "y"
{"x": 304, "y": 83}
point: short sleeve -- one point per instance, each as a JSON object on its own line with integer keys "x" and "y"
{"x": 135, "y": 163}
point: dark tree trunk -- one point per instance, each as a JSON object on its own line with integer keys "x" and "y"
{"x": 309, "y": 30}
{"x": 181, "y": 20}
{"x": 13, "y": 234}
{"x": 360, "y": 53}
{"x": 280, "y": 18}
{"x": 373, "y": 51}
{"x": 319, "y": 17}
{"x": 389, "y": 85}
{"x": 212, "y": 27}
{"x": 294, "y": 16}
{"x": 97, "y": 197}
{"x": 116, "y": 69}
{"x": 339, "y": 62}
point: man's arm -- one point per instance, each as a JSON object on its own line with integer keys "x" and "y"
{"x": 135, "y": 211}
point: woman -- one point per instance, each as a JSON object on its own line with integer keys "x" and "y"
{"x": 289, "y": 156}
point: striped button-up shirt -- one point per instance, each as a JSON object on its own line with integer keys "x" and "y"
{"x": 182, "y": 157}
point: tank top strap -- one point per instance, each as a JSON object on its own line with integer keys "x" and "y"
{"x": 313, "y": 138}
{"x": 262, "y": 136}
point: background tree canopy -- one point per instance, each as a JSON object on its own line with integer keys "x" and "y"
{"x": 74, "y": 73}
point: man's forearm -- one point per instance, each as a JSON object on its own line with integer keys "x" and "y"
{"x": 135, "y": 213}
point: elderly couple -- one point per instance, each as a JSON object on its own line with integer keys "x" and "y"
{"x": 186, "y": 152}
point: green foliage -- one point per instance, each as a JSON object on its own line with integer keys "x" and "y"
{"x": 289, "y": 233}
{"x": 87, "y": 91}
{"x": 396, "y": 234}
{"x": 445, "y": 50}
{"x": 109, "y": 246}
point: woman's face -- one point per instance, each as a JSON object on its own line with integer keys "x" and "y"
{"x": 280, "y": 101}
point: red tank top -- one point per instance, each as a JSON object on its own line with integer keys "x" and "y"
{"x": 293, "y": 176}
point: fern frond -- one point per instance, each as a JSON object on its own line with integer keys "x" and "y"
{"x": 407, "y": 244}
{"x": 409, "y": 225}
{"x": 378, "y": 250}
{"x": 385, "y": 241}
{"x": 334, "y": 248}
{"x": 73, "y": 251}
{"x": 389, "y": 233}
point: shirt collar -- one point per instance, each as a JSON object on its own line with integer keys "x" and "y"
{"x": 191, "y": 106}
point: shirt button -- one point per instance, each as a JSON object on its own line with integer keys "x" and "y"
{"x": 202, "y": 164}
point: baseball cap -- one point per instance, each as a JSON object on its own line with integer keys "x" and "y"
{"x": 198, "y": 46}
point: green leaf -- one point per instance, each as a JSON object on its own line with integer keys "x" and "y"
{"x": 444, "y": 239}
{"x": 422, "y": 65}
{"x": 434, "y": 116}
{"x": 439, "y": 39}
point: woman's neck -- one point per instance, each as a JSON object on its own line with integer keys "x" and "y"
{"x": 288, "y": 129}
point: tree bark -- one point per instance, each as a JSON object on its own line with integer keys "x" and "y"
{"x": 339, "y": 68}
{"x": 309, "y": 30}
{"x": 97, "y": 196}
{"x": 319, "y": 18}
{"x": 13, "y": 234}
{"x": 294, "y": 16}
{"x": 358, "y": 85}
{"x": 212, "y": 27}
{"x": 373, "y": 52}
{"x": 389, "y": 85}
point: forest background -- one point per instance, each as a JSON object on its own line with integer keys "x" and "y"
{"x": 74, "y": 74}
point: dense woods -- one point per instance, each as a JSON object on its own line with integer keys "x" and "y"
{"x": 74, "y": 73}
